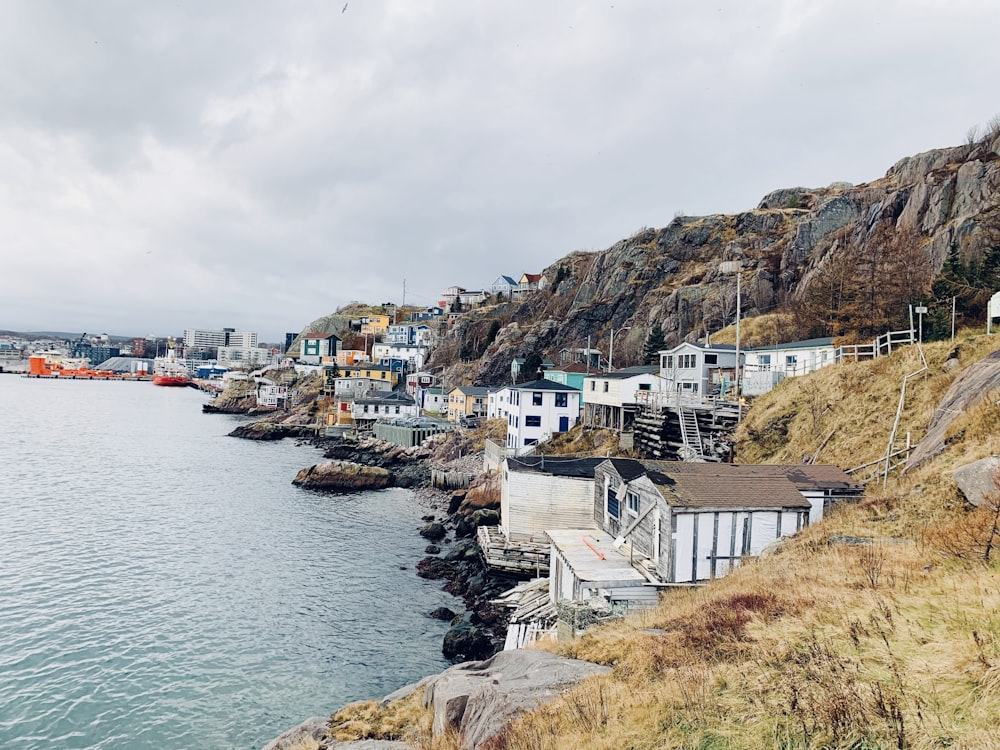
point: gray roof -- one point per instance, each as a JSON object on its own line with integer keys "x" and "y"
{"x": 544, "y": 385}
{"x": 582, "y": 468}
{"x": 473, "y": 390}
{"x": 627, "y": 372}
{"x": 392, "y": 397}
{"x": 806, "y": 344}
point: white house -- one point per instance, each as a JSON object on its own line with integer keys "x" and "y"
{"x": 539, "y": 492}
{"x": 538, "y": 410}
{"x": 698, "y": 369}
{"x": 412, "y": 354}
{"x": 764, "y": 367}
{"x": 609, "y": 398}
{"x": 348, "y": 388}
{"x": 504, "y": 285}
{"x": 383, "y": 406}
{"x": 432, "y": 399}
{"x": 409, "y": 333}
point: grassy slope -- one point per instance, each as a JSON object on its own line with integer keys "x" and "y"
{"x": 817, "y": 645}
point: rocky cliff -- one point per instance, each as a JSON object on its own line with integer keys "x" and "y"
{"x": 803, "y": 250}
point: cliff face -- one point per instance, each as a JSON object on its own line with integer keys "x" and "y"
{"x": 798, "y": 247}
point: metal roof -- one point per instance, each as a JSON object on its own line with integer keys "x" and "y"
{"x": 544, "y": 385}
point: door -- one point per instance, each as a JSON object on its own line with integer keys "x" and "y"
{"x": 563, "y": 424}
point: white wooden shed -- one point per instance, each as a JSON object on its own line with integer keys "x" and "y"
{"x": 538, "y": 492}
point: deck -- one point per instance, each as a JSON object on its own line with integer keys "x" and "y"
{"x": 517, "y": 558}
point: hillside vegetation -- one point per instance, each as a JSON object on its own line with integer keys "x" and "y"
{"x": 823, "y": 643}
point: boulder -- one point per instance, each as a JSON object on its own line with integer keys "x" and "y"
{"x": 978, "y": 480}
{"x": 441, "y": 613}
{"x": 467, "y": 640}
{"x": 479, "y": 698}
{"x": 342, "y": 476}
{"x": 434, "y": 531}
{"x": 313, "y": 728}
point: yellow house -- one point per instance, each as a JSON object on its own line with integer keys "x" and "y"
{"x": 374, "y": 325}
{"x": 368, "y": 370}
{"x": 467, "y": 401}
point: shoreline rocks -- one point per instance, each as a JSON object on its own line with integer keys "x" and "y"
{"x": 342, "y": 476}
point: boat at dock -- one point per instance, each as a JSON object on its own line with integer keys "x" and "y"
{"x": 169, "y": 372}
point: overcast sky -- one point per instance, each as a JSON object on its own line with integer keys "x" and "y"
{"x": 190, "y": 164}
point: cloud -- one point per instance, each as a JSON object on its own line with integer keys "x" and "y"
{"x": 258, "y": 165}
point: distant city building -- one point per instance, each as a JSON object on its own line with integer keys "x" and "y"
{"x": 195, "y": 339}
{"x": 289, "y": 338}
{"x": 243, "y": 357}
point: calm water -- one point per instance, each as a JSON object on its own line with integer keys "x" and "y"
{"x": 165, "y": 586}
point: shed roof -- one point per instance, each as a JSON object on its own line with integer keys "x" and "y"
{"x": 558, "y": 467}
{"x": 805, "y": 344}
{"x": 544, "y": 385}
{"x": 628, "y": 372}
{"x": 591, "y": 556}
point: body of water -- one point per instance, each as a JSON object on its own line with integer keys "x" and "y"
{"x": 165, "y": 586}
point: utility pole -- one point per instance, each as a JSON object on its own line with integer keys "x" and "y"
{"x": 734, "y": 266}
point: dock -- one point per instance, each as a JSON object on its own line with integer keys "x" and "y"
{"x": 515, "y": 558}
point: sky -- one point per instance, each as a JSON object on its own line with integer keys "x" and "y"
{"x": 256, "y": 165}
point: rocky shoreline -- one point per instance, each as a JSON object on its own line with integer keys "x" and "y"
{"x": 452, "y": 554}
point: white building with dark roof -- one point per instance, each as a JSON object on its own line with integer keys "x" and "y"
{"x": 538, "y": 410}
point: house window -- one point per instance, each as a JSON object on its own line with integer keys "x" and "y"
{"x": 530, "y": 441}
{"x": 561, "y": 399}
{"x": 605, "y": 386}
{"x": 687, "y": 361}
{"x": 532, "y": 421}
{"x": 668, "y": 362}
{"x": 711, "y": 359}
{"x": 765, "y": 361}
{"x": 397, "y": 410}
{"x": 536, "y": 398}
{"x": 632, "y": 499}
{"x": 791, "y": 362}
{"x": 644, "y": 386}
{"x": 593, "y": 385}
{"x": 611, "y": 500}
{"x": 366, "y": 408}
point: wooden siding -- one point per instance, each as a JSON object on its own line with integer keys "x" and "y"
{"x": 711, "y": 543}
{"x": 531, "y": 502}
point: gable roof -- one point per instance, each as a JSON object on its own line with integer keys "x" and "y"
{"x": 627, "y": 468}
{"x": 472, "y": 390}
{"x": 320, "y": 336}
{"x": 573, "y": 368}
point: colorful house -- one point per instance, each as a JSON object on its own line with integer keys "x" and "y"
{"x": 314, "y": 347}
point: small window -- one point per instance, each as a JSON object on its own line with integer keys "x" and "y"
{"x": 536, "y": 398}
{"x": 593, "y": 385}
{"x": 561, "y": 399}
{"x": 633, "y": 502}
{"x": 668, "y": 362}
{"x": 644, "y": 386}
{"x": 532, "y": 421}
{"x": 605, "y": 386}
{"x": 711, "y": 359}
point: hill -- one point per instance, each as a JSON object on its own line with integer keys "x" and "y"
{"x": 844, "y": 260}
{"x": 878, "y": 627}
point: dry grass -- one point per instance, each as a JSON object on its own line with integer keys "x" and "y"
{"x": 820, "y": 644}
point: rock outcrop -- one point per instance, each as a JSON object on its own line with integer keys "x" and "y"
{"x": 342, "y": 476}
{"x": 924, "y": 205}
{"x": 978, "y": 381}
{"x": 479, "y": 698}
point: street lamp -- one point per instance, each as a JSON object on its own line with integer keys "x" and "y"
{"x": 611, "y": 347}
{"x": 735, "y": 266}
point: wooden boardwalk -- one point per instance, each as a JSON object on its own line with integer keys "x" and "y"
{"x": 505, "y": 556}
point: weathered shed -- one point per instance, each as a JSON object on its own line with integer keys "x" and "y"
{"x": 539, "y": 492}
{"x": 586, "y": 566}
{"x": 696, "y": 521}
